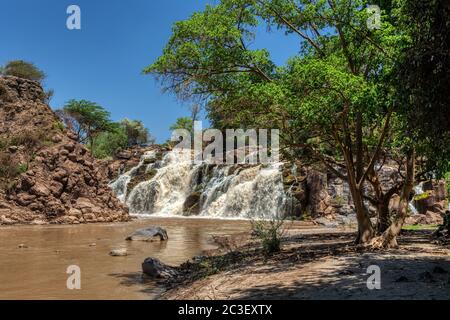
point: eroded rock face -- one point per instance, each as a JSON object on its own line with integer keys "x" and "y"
{"x": 53, "y": 179}
{"x": 327, "y": 199}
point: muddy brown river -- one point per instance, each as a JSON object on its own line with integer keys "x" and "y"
{"x": 34, "y": 259}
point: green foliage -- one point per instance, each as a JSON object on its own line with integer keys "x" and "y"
{"x": 23, "y": 167}
{"x": 185, "y": 123}
{"x": 419, "y": 227}
{"x": 136, "y": 132}
{"x": 58, "y": 126}
{"x": 423, "y": 78}
{"x": 93, "y": 125}
{"x": 89, "y": 118}
{"x": 110, "y": 142}
{"x": 23, "y": 69}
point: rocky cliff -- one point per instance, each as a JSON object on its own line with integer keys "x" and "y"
{"x": 46, "y": 176}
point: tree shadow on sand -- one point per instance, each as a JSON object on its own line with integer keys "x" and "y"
{"x": 341, "y": 270}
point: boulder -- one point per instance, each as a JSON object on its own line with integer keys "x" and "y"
{"x": 156, "y": 269}
{"x": 149, "y": 234}
{"x": 191, "y": 205}
{"x": 326, "y": 222}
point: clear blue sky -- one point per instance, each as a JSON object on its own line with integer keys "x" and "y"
{"x": 103, "y": 61}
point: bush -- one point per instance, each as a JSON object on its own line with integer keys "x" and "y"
{"x": 8, "y": 169}
{"x": 58, "y": 126}
{"x": 108, "y": 144}
{"x": 23, "y": 69}
{"x": 30, "y": 139}
{"x": 269, "y": 232}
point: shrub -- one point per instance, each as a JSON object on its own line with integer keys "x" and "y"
{"x": 22, "y": 168}
{"x": 8, "y": 169}
{"x": 23, "y": 69}
{"x": 269, "y": 232}
{"x": 29, "y": 139}
{"x": 58, "y": 126}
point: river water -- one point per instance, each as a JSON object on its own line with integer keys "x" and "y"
{"x": 38, "y": 270}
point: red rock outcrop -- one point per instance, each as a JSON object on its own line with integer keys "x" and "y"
{"x": 46, "y": 176}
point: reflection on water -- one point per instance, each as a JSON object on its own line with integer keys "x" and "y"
{"x": 39, "y": 270}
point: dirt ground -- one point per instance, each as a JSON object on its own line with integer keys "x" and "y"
{"x": 325, "y": 265}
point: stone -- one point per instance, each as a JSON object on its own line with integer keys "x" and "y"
{"x": 191, "y": 205}
{"x": 13, "y": 149}
{"x": 6, "y": 221}
{"x": 326, "y": 222}
{"x": 149, "y": 235}
{"x": 122, "y": 252}
{"x": 25, "y": 199}
{"x": 56, "y": 188}
{"x": 156, "y": 269}
{"x": 69, "y": 147}
{"x": 72, "y": 157}
{"x": 56, "y": 138}
{"x": 39, "y": 189}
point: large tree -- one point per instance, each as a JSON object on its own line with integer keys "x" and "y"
{"x": 423, "y": 79}
{"x": 334, "y": 101}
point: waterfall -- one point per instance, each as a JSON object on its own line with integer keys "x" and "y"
{"x": 229, "y": 191}
{"x": 119, "y": 186}
{"x": 418, "y": 190}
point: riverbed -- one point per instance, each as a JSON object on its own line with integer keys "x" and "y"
{"x": 34, "y": 259}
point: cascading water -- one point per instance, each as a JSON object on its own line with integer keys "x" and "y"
{"x": 418, "y": 190}
{"x": 119, "y": 186}
{"x": 223, "y": 190}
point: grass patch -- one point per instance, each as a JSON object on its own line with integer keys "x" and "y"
{"x": 419, "y": 227}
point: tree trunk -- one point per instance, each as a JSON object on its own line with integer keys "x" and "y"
{"x": 389, "y": 238}
{"x": 365, "y": 228}
{"x": 384, "y": 219}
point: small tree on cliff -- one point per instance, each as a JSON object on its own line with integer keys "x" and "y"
{"x": 27, "y": 70}
{"x": 87, "y": 119}
{"x": 332, "y": 101}
{"x": 23, "y": 69}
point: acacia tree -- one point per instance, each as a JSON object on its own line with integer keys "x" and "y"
{"x": 136, "y": 132}
{"x": 87, "y": 119}
{"x": 332, "y": 100}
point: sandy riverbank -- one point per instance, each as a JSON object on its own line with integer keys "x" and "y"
{"x": 325, "y": 265}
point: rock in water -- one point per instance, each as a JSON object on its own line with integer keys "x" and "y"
{"x": 149, "y": 234}
{"x": 156, "y": 269}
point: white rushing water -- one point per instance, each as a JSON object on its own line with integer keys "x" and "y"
{"x": 418, "y": 190}
{"x": 223, "y": 191}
